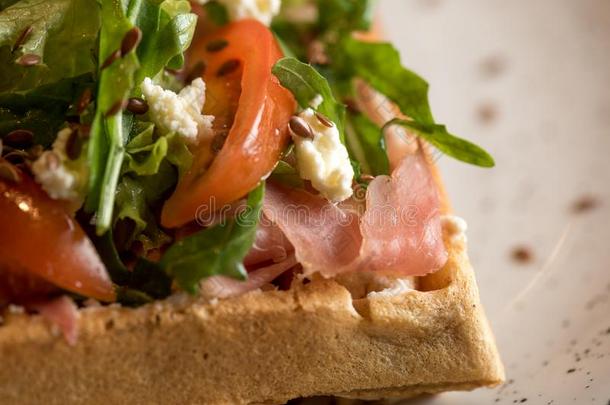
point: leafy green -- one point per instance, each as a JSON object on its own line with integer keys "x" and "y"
{"x": 365, "y": 141}
{"x": 306, "y": 84}
{"x": 379, "y": 64}
{"x": 167, "y": 29}
{"x": 218, "y": 250}
{"x": 216, "y": 12}
{"x": 450, "y": 145}
{"x": 287, "y": 175}
{"x": 342, "y": 16}
{"x": 63, "y": 34}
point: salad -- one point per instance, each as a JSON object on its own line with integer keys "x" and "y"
{"x": 157, "y": 146}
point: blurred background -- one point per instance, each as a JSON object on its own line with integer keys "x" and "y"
{"x": 529, "y": 80}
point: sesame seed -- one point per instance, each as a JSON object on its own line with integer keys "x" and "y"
{"x": 324, "y": 120}
{"x": 29, "y": 59}
{"x": 228, "y": 67}
{"x": 131, "y": 40}
{"x": 22, "y": 37}
{"x": 300, "y": 128}
{"x": 110, "y": 59}
{"x": 137, "y": 106}
{"x": 19, "y": 138}
{"x": 217, "y": 45}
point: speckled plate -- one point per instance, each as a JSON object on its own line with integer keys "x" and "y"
{"x": 530, "y": 81}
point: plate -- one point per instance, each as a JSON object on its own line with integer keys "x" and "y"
{"x": 529, "y": 81}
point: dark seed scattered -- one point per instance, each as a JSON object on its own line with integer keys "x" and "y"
{"x": 74, "y": 145}
{"x": 522, "y": 254}
{"x": 110, "y": 59}
{"x": 584, "y": 204}
{"x": 217, "y": 45}
{"x": 19, "y": 138}
{"x": 29, "y": 59}
{"x": 299, "y": 127}
{"x": 16, "y": 156}
{"x": 8, "y": 172}
{"x": 324, "y": 120}
{"x": 83, "y": 101}
{"x": 228, "y": 67}
{"x": 131, "y": 40}
{"x": 116, "y": 108}
{"x": 22, "y": 38}
{"x": 196, "y": 71}
{"x": 137, "y": 106}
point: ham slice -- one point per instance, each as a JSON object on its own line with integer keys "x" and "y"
{"x": 271, "y": 245}
{"x": 225, "y": 287}
{"x": 400, "y": 231}
{"x": 63, "y": 313}
{"x": 401, "y": 227}
{"x": 326, "y": 239}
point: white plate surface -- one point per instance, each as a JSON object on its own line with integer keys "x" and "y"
{"x": 530, "y": 81}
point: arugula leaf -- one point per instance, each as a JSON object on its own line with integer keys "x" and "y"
{"x": 341, "y": 16}
{"x": 306, "y": 84}
{"x": 379, "y": 64}
{"x": 62, "y": 34}
{"x": 217, "y": 12}
{"x": 365, "y": 141}
{"x": 219, "y": 250}
{"x": 450, "y": 145}
{"x": 108, "y": 133}
{"x": 287, "y": 175}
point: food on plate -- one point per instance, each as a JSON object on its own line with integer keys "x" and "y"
{"x": 225, "y": 202}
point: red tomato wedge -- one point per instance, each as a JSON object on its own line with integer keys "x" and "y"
{"x": 252, "y": 109}
{"x": 40, "y": 242}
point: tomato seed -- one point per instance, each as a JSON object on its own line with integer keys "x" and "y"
{"x": 217, "y": 45}
{"x": 228, "y": 67}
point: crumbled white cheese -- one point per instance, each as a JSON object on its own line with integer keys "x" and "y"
{"x": 60, "y": 178}
{"x": 397, "y": 286}
{"x": 316, "y": 101}
{"x": 261, "y": 10}
{"x": 179, "y": 113}
{"x": 324, "y": 160}
{"x": 456, "y": 227}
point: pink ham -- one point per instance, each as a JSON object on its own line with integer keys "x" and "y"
{"x": 326, "y": 238}
{"x": 400, "y": 231}
{"x": 225, "y": 287}
{"x": 401, "y": 227}
{"x": 63, "y": 313}
{"x": 271, "y": 245}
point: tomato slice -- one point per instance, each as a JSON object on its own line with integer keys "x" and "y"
{"x": 250, "y": 106}
{"x": 41, "y": 244}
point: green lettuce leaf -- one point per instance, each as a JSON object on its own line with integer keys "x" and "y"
{"x": 450, "y": 145}
{"x": 167, "y": 28}
{"x": 63, "y": 34}
{"x": 219, "y": 250}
